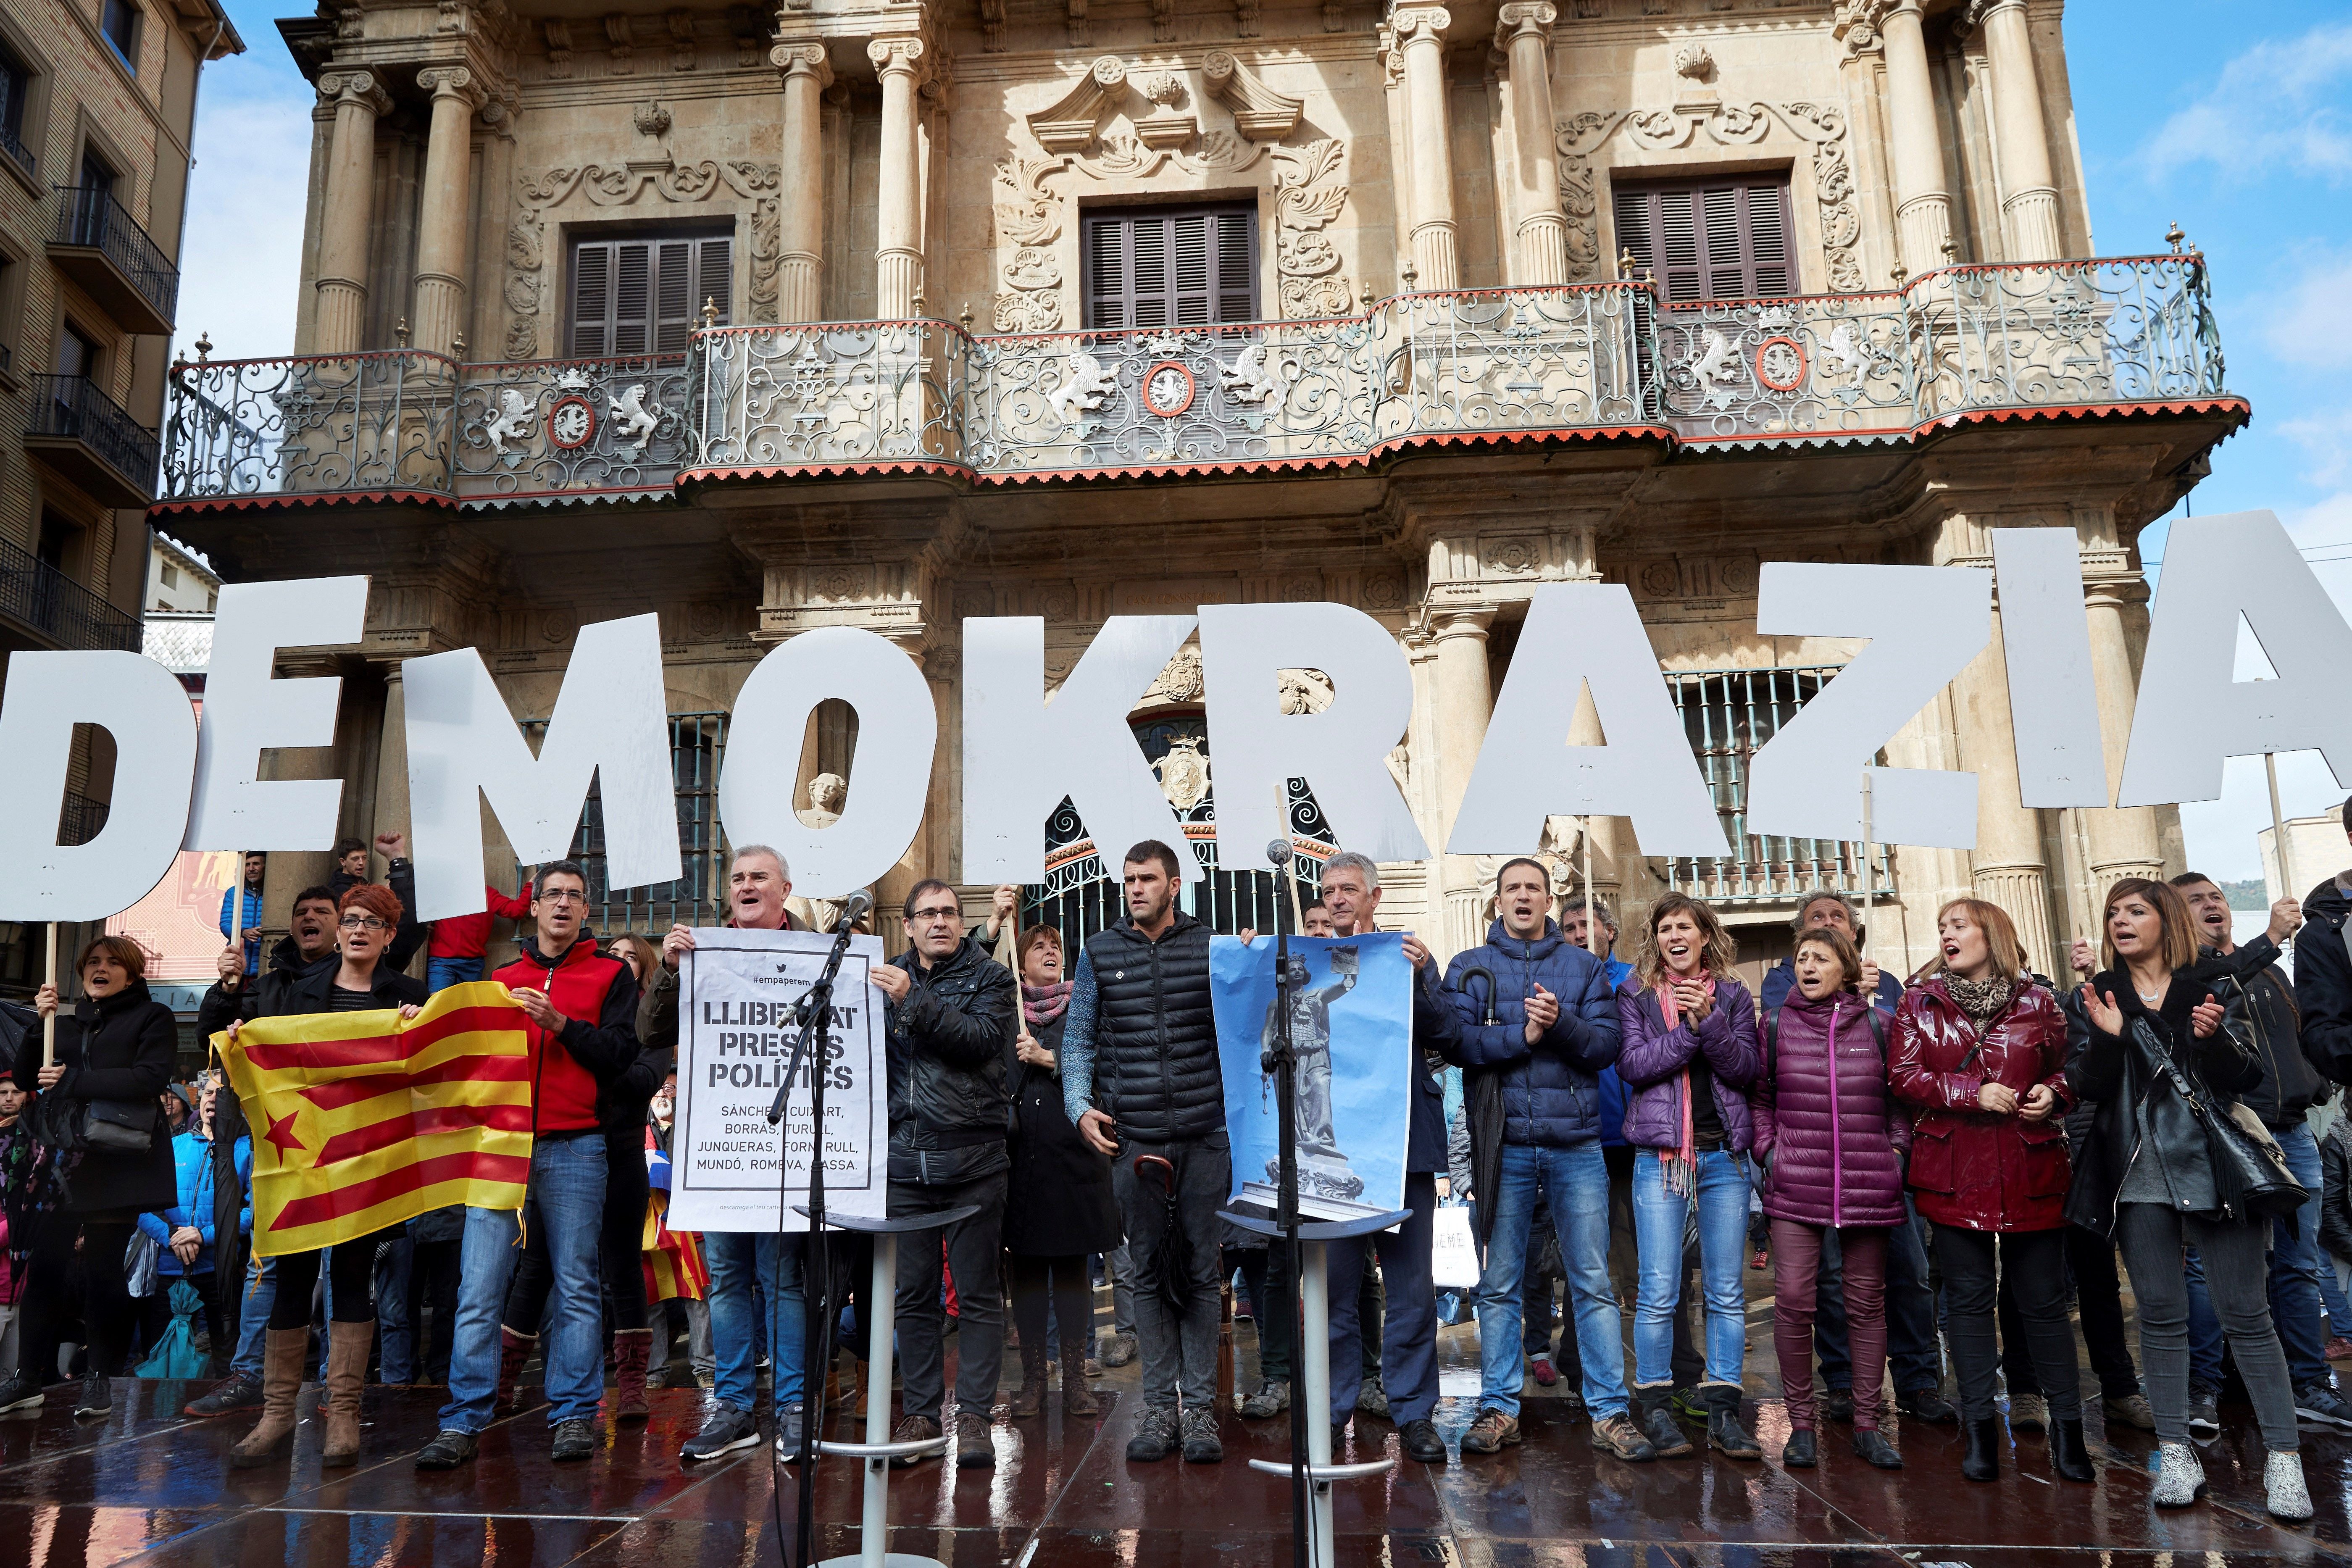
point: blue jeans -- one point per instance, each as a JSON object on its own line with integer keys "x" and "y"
{"x": 1659, "y": 1217}
{"x": 396, "y": 1349}
{"x": 2295, "y": 1266}
{"x": 253, "y": 1319}
{"x": 735, "y": 1257}
{"x": 566, "y": 1205}
{"x": 440, "y": 972}
{"x": 1575, "y": 1182}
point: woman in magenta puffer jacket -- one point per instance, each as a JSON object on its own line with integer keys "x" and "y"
{"x": 1832, "y": 1140}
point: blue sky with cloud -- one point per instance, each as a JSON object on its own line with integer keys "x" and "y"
{"x": 2233, "y": 121}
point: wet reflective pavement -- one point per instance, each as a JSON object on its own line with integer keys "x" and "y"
{"x": 147, "y": 1485}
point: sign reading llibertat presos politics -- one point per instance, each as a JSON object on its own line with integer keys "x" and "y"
{"x": 729, "y": 1170}
{"x": 1351, "y": 1028}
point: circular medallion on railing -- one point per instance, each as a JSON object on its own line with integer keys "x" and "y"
{"x": 571, "y": 421}
{"x": 1781, "y": 363}
{"x": 1168, "y": 389}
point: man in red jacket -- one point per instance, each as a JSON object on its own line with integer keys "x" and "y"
{"x": 461, "y": 941}
{"x": 582, "y": 1006}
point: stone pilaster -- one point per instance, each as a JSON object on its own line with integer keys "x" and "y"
{"x": 350, "y": 193}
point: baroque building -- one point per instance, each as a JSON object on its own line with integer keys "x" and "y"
{"x": 887, "y": 313}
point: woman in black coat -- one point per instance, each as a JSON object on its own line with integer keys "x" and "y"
{"x": 118, "y": 1044}
{"x": 1058, "y": 1204}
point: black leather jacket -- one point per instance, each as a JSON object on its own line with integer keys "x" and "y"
{"x": 2335, "y": 1190}
{"x": 2119, "y": 1072}
{"x": 949, "y": 1043}
{"x": 2261, "y": 1006}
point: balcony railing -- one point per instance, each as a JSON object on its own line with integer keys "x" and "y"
{"x": 70, "y": 409}
{"x": 1415, "y": 369}
{"x": 38, "y": 595}
{"x": 90, "y": 218}
{"x": 14, "y": 145}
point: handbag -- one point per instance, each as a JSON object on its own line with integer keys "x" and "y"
{"x": 100, "y": 1126}
{"x": 2250, "y": 1178}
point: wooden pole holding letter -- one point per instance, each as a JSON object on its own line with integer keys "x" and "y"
{"x": 50, "y": 1023}
{"x": 1869, "y": 880}
{"x": 2278, "y": 830}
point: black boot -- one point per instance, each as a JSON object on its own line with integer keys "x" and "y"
{"x": 1723, "y": 1431}
{"x": 2068, "y": 1457}
{"x": 1981, "y": 1460}
{"x": 1655, "y": 1408}
{"x": 1799, "y": 1453}
{"x": 1872, "y": 1448}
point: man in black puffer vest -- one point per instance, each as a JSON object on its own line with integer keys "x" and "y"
{"x": 1141, "y": 1082}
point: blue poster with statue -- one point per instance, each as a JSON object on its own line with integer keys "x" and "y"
{"x": 1352, "y": 1027}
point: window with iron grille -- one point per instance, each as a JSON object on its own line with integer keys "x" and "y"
{"x": 697, "y": 745}
{"x": 1710, "y": 239}
{"x": 16, "y": 88}
{"x": 1728, "y": 715}
{"x": 1158, "y": 266}
{"x": 645, "y": 295}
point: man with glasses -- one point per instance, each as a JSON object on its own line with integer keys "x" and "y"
{"x": 583, "y": 1008}
{"x": 950, "y": 1031}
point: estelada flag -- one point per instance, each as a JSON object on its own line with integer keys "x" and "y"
{"x": 672, "y": 1259}
{"x": 364, "y": 1120}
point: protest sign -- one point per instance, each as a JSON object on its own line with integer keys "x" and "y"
{"x": 729, "y": 1169}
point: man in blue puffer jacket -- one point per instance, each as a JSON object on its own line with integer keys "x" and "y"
{"x": 1539, "y": 1024}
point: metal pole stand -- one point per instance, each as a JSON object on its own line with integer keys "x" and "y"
{"x": 1314, "y": 1353}
{"x": 877, "y": 1450}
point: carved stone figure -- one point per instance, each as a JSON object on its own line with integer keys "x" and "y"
{"x": 1183, "y": 772}
{"x": 826, "y": 794}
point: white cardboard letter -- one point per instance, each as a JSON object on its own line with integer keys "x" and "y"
{"x": 890, "y": 778}
{"x": 138, "y": 703}
{"x": 2053, "y": 707}
{"x": 247, "y": 712}
{"x": 1340, "y": 752}
{"x": 611, "y": 723}
{"x": 1022, "y": 755}
{"x": 2191, "y": 713}
{"x": 1575, "y": 633}
{"x": 1924, "y": 623}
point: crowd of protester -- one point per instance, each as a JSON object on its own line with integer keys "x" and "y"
{"x": 1939, "y": 1170}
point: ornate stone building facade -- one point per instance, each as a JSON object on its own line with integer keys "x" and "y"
{"x": 891, "y": 313}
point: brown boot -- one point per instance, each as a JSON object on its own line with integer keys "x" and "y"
{"x": 630, "y": 1349}
{"x": 1077, "y": 1398}
{"x": 347, "y": 1355}
{"x": 1032, "y": 1397}
{"x": 514, "y": 1349}
{"x": 282, "y": 1352}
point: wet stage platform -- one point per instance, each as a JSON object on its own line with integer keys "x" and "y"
{"x": 150, "y": 1487}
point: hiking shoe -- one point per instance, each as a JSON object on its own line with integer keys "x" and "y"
{"x": 2204, "y": 1412}
{"x": 915, "y": 1429}
{"x": 975, "y": 1449}
{"x": 237, "y": 1393}
{"x": 1155, "y": 1436}
{"x": 1421, "y": 1442}
{"x": 788, "y": 1429}
{"x": 2132, "y": 1410}
{"x": 1492, "y": 1432}
{"x": 1201, "y": 1444}
{"x": 1618, "y": 1435}
{"x": 1266, "y": 1399}
{"x": 1927, "y": 1404}
{"x": 1837, "y": 1405}
{"x": 727, "y": 1430}
{"x": 573, "y": 1440}
{"x": 449, "y": 1449}
{"x": 2318, "y": 1402}
{"x": 2028, "y": 1413}
{"x": 1372, "y": 1399}
{"x": 1120, "y": 1350}
{"x": 97, "y": 1397}
{"x": 1690, "y": 1404}
{"x": 1543, "y": 1372}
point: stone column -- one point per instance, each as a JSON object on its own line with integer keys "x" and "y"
{"x": 350, "y": 200}
{"x": 1465, "y": 701}
{"x": 441, "y": 221}
{"x": 1524, "y": 31}
{"x": 1420, "y": 32}
{"x": 2008, "y": 867}
{"x": 2029, "y": 201}
{"x": 799, "y": 274}
{"x": 1923, "y": 208}
{"x": 898, "y": 222}
{"x": 2122, "y": 843}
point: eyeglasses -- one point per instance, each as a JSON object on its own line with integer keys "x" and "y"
{"x": 948, "y": 912}
{"x": 562, "y": 896}
{"x": 363, "y": 923}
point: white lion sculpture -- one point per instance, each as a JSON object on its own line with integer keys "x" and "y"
{"x": 1258, "y": 375}
{"x": 632, "y": 417}
{"x": 509, "y": 421}
{"x": 1083, "y": 390}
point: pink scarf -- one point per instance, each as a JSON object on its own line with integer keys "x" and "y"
{"x": 1041, "y": 1004}
{"x": 1681, "y": 1164}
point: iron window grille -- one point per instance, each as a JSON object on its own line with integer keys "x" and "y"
{"x": 697, "y": 745}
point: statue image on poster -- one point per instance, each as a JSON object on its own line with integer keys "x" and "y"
{"x": 1351, "y": 1028}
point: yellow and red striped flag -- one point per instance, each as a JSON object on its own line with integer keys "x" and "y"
{"x": 364, "y": 1120}
{"x": 673, "y": 1258}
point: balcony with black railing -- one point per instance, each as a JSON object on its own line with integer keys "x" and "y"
{"x": 100, "y": 247}
{"x": 13, "y": 146}
{"x": 44, "y": 600}
{"x": 90, "y": 439}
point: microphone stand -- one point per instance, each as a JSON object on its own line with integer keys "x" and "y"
{"x": 1282, "y": 1060}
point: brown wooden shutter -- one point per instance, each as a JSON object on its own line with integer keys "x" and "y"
{"x": 1169, "y": 267}
{"x": 592, "y": 299}
{"x": 644, "y": 296}
{"x": 1716, "y": 239}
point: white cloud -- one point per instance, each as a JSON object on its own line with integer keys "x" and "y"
{"x": 2280, "y": 104}
{"x": 242, "y": 264}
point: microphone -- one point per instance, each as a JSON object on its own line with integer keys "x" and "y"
{"x": 1277, "y": 850}
{"x": 854, "y": 911}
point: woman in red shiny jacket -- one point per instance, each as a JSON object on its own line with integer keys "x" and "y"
{"x": 1980, "y": 1050}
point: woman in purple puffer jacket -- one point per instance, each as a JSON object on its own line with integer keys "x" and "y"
{"x": 1831, "y": 1140}
{"x": 1689, "y": 1052}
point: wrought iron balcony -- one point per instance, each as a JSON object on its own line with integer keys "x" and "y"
{"x": 37, "y": 595}
{"x": 1425, "y": 369}
{"x": 13, "y": 146}
{"x": 91, "y": 439}
{"x": 100, "y": 247}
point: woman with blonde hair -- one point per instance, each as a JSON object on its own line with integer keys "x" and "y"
{"x": 1981, "y": 1051}
{"x": 1689, "y": 1052}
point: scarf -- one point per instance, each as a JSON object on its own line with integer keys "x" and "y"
{"x": 1981, "y": 999}
{"x": 1041, "y": 1004}
{"x": 1680, "y": 1165}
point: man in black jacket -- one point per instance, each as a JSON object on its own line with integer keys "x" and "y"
{"x": 2323, "y": 973}
{"x": 1141, "y": 1083}
{"x": 950, "y": 1033}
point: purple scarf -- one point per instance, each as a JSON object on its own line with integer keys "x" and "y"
{"x": 1041, "y": 1004}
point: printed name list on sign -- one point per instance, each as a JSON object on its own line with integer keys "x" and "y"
{"x": 739, "y": 991}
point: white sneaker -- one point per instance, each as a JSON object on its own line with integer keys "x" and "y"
{"x": 2179, "y": 1478}
{"x": 2289, "y": 1497}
